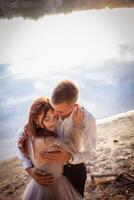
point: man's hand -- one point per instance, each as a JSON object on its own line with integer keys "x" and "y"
{"x": 41, "y": 179}
{"x": 77, "y": 116}
{"x": 56, "y": 157}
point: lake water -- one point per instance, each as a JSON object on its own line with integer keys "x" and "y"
{"x": 93, "y": 48}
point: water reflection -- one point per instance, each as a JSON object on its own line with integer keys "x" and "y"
{"x": 104, "y": 90}
{"x": 94, "y": 48}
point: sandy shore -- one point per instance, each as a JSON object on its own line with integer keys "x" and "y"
{"x": 114, "y": 155}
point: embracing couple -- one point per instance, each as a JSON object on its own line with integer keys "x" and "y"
{"x": 54, "y": 144}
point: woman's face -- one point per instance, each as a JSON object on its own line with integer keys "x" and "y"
{"x": 49, "y": 122}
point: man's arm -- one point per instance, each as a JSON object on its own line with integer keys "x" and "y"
{"x": 27, "y": 163}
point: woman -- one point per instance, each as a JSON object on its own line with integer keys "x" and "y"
{"x": 40, "y": 136}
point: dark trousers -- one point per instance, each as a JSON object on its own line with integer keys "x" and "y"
{"x": 77, "y": 175}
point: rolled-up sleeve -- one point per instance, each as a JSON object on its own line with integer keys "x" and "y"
{"x": 26, "y": 162}
{"x": 89, "y": 135}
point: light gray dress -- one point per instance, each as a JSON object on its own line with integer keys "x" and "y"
{"x": 61, "y": 188}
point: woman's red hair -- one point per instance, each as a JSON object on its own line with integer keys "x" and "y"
{"x": 40, "y": 105}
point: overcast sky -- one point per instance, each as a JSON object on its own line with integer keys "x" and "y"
{"x": 67, "y": 40}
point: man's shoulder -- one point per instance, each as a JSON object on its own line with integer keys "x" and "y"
{"x": 88, "y": 115}
{"x": 89, "y": 119}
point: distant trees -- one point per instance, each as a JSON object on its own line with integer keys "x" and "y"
{"x": 37, "y": 8}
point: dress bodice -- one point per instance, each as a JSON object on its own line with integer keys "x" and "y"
{"x": 46, "y": 144}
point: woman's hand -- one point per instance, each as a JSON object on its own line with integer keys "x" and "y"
{"x": 77, "y": 116}
{"x": 45, "y": 180}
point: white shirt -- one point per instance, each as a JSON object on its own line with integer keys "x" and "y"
{"x": 88, "y": 133}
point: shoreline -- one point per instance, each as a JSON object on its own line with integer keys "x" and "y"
{"x": 114, "y": 155}
{"x": 11, "y": 141}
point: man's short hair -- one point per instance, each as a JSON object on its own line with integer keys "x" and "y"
{"x": 65, "y": 92}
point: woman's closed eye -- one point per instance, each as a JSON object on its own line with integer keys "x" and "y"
{"x": 47, "y": 120}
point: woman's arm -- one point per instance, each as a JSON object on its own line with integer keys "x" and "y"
{"x": 88, "y": 148}
{"x": 82, "y": 136}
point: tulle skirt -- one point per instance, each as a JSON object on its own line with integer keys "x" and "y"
{"x": 60, "y": 189}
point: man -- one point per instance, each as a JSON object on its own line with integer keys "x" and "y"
{"x": 64, "y": 101}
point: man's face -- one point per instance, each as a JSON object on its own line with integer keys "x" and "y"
{"x": 63, "y": 109}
